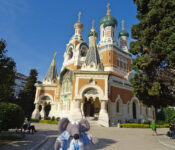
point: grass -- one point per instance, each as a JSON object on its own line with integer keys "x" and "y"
{"x": 8, "y": 136}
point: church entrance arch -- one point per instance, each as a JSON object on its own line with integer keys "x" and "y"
{"x": 91, "y": 103}
{"x": 45, "y": 105}
{"x": 47, "y": 110}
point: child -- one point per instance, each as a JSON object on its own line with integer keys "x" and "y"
{"x": 154, "y": 127}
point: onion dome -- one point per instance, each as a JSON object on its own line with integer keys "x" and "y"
{"x": 123, "y": 32}
{"x": 78, "y": 24}
{"x": 108, "y": 20}
{"x": 93, "y": 32}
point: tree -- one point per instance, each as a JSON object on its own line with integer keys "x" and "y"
{"x": 7, "y": 74}
{"x": 11, "y": 116}
{"x": 27, "y": 97}
{"x": 154, "y": 48}
{"x": 169, "y": 114}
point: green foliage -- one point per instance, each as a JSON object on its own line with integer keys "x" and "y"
{"x": 11, "y": 116}
{"x": 7, "y": 74}
{"x": 27, "y": 97}
{"x": 134, "y": 125}
{"x": 169, "y": 114}
{"x": 49, "y": 121}
{"x": 34, "y": 120}
{"x": 154, "y": 48}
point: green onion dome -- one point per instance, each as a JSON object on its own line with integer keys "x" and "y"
{"x": 108, "y": 20}
{"x": 92, "y": 33}
{"x": 123, "y": 33}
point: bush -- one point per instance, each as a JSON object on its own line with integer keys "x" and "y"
{"x": 135, "y": 125}
{"x": 34, "y": 120}
{"x": 49, "y": 121}
{"x": 53, "y": 118}
{"x": 169, "y": 114}
{"x": 11, "y": 116}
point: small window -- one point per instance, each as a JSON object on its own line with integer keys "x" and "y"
{"x": 70, "y": 53}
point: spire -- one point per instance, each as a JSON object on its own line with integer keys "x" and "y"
{"x": 92, "y": 55}
{"x": 51, "y": 76}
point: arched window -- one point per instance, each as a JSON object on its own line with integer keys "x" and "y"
{"x": 83, "y": 51}
{"x": 45, "y": 98}
{"x": 66, "y": 86}
{"x": 118, "y": 107}
{"x": 134, "y": 111}
{"x": 70, "y": 53}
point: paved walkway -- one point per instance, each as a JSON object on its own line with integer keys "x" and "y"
{"x": 109, "y": 139}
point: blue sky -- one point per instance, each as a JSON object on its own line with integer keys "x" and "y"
{"x": 34, "y": 29}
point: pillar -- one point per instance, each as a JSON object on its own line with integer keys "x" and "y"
{"x": 36, "y": 113}
{"x": 76, "y": 113}
{"x": 52, "y": 110}
{"x": 42, "y": 113}
{"x": 103, "y": 115}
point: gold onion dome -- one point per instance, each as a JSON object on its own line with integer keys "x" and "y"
{"x": 78, "y": 24}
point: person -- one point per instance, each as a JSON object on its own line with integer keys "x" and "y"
{"x": 27, "y": 125}
{"x": 171, "y": 132}
{"x": 154, "y": 132}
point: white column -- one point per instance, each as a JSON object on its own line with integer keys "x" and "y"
{"x": 36, "y": 113}
{"x": 82, "y": 109}
{"x": 76, "y": 114}
{"x": 103, "y": 115}
{"x": 52, "y": 110}
{"x": 42, "y": 113}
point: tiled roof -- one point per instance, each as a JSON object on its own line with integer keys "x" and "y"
{"x": 52, "y": 72}
{"x": 92, "y": 56}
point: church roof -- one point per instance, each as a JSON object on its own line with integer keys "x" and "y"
{"x": 92, "y": 56}
{"x": 52, "y": 72}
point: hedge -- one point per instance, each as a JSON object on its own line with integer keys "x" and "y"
{"x": 135, "y": 125}
{"x": 11, "y": 116}
{"x": 45, "y": 121}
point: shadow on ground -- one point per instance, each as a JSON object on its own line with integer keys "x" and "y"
{"x": 29, "y": 141}
{"x": 104, "y": 143}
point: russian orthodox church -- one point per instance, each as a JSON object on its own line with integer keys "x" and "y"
{"x": 93, "y": 81}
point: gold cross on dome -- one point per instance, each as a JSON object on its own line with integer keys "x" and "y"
{"x": 79, "y": 15}
{"x": 54, "y": 54}
{"x": 123, "y": 24}
{"x": 108, "y": 10}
